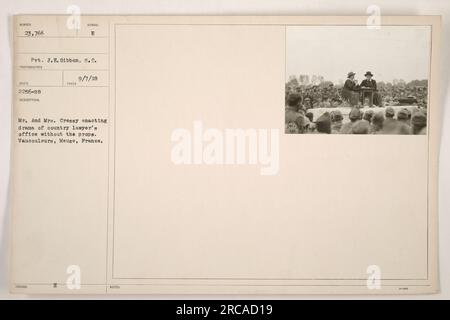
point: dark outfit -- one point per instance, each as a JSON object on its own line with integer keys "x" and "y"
{"x": 350, "y": 92}
{"x": 373, "y": 85}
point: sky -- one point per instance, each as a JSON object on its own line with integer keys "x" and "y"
{"x": 391, "y": 52}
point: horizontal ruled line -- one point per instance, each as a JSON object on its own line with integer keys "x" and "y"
{"x": 37, "y": 69}
{"x": 62, "y": 53}
{"x": 34, "y": 86}
{"x": 65, "y": 37}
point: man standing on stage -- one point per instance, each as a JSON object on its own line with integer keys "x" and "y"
{"x": 369, "y": 83}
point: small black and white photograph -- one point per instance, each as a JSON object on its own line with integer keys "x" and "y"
{"x": 357, "y": 79}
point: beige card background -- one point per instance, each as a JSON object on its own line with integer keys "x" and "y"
{"x": 136, "y": 222}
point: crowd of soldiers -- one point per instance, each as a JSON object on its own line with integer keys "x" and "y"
{"x": 388, "y": 121}
{"x": 358, "y": 97}
{"x": 328, "y": 95}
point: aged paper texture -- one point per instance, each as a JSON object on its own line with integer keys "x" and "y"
{"x": 194, "y": 154}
